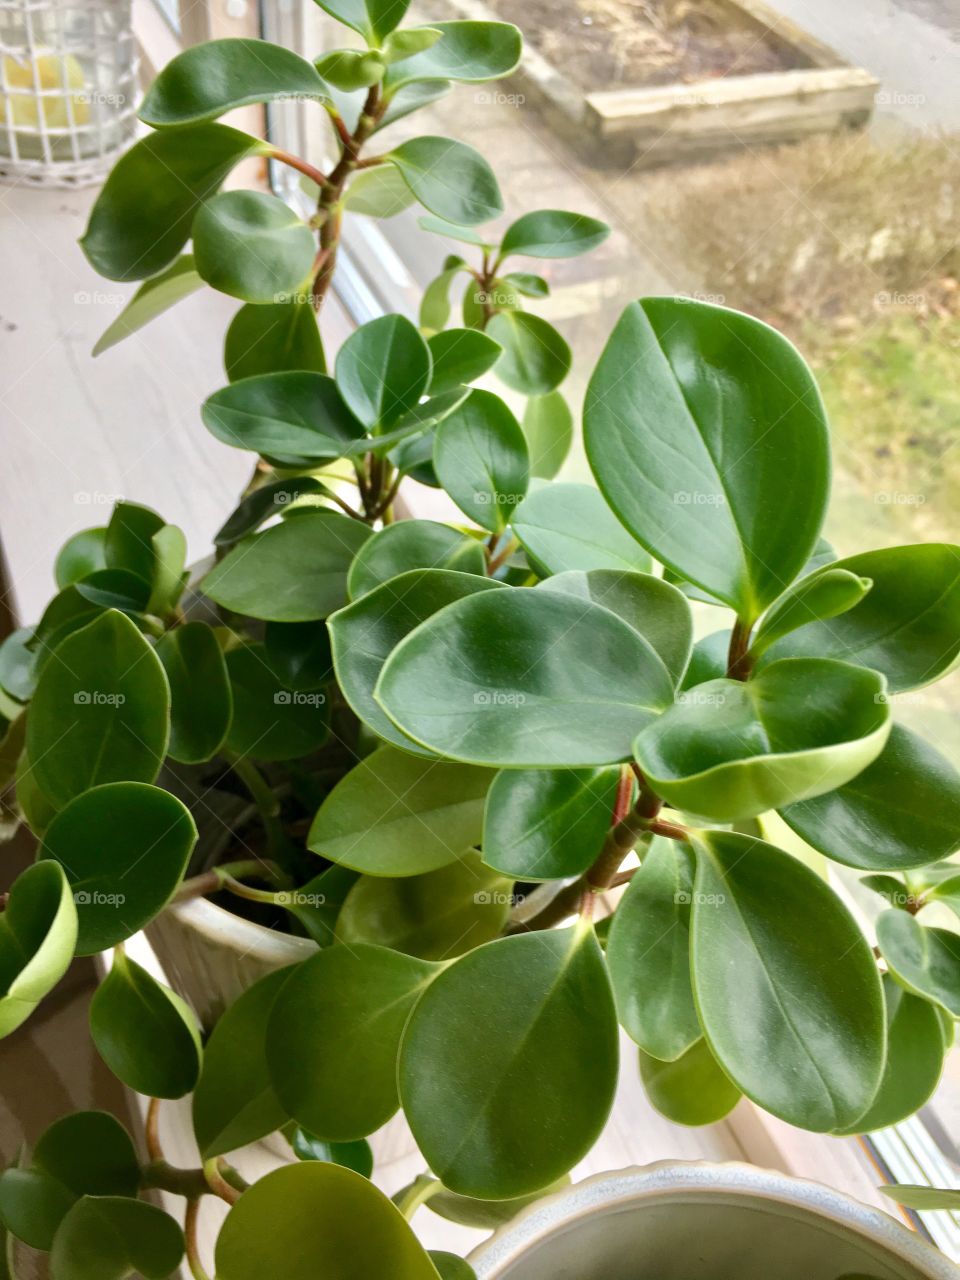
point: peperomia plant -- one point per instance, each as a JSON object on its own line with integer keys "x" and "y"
{"x": 436, "y": 748}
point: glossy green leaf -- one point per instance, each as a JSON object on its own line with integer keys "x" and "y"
{"x": 396, "y": 814}
{"x": 115, "y": 589}
{"x": 907, "y": 625}
{"x": 382, "y": 371}
{"x": 786, "y": 987}
{"x": 355, "y": 999}
{"x": 81, "y": 554}
{"x": 536, "y": 358}
{"x": 374, "y": 19}
{"x": 915, "y": 1054}
{"x": 211, "y": 78}
{"x": 654, "y": 608}
{"x": 365, "y": 633}
{"x": 144, "y": 213}
{"x": 531, "y": 286}
{"x": 435, "y": 916}
{"x": 201, "y": 705}
{"x": 690, "y": 1089}
{"x": 275, "y": 337}
{"x": 156, "y": 295}
{"x": 451, "y": 1267}
{"x": 404, "y": 44}
{"x": 112, "y": 1237}
{"x": 648, "y": 954}
{"x": 379, "y": 193}
{"x": 486, "y": 1215}
{"x": 144, "y": 1032}
{"x": 253, "y": 246}
{"x": 271, "y": 722}
{"x": 525, "y": 680}
{"x": 548, "y": 425}
{"x": 708, "y": 437}
{"x": 18, "y": 665}
{"x": 295, "y": 413}
{"x": 35, "y": 807}
{"x": 234, "y": 1102}
{"x": 509, "y": 1063}
{"x": 128, "y": 540}
{"x": 902, "y": 811}
{"x": 412, "y": 544}
{"x": 480, "y": 457}
{"x": 818, "y": 596}
{"x": 299, "y": 653}
{"x": 730, "y": 749}
{"x": 454, "y": 231}
{"x": 124, "y": 847}
{"x": 552, "y": 233}
{"x": 318, "y": 1219}
{"x": 38, "y": 932}
{"x": 32, "y": 1206}
{"x": 926, "y": 961}
{"x": 460, "y": 356}
{"x": 100, "y": 712}
{"x": 547, "y": 824}
{"x": 90, "y": 1153}
{"x": 435, "y": 302}
{"x": 258, "y": 506}
{"x": 569, "y": 526}
{"x": 449, "y": 178}
{"x": 291, "y": 572}
{"x": 924, "y": 1198}
{"x": 350, "y": 69}
{"x": 352, "y": 1155}
{"x": 467, "y": 51}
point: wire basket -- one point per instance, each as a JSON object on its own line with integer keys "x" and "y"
{"x": 68, "y": 89}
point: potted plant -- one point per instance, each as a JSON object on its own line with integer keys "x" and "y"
{"x": 432, "y": 748}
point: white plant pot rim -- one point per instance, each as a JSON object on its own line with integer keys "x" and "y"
{"x": 235, "y": 933}
{"x": 665, "y": 1178}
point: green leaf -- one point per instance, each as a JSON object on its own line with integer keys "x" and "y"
{"x": 908, "y": 624}
{"x": 379, "y": 193}
{"x": 350, "y": 69}
{"x": 926, "y": 961}
{"x": 548, "y": 425}
{"x": 18, "y": 665}
{"x": 915, "y": 1055}
{"x": 201, "y": 706}
{"x": 269, "y": 721}
{"x": 648, "y": 954}
{"x": 273, "y": 337}
{"x": 111, "y": 1237}
{"x": 124, "y": 847}
{"x": 454, "y": 231}
{"x": 404, "y": 44}
{"x": 486, "y": 1215}
{"x": 144, "y": 1032}
{"x": 144, "y": 213}
{"x": 365, "y": 633}
{"x": 82, "y": 554}
{"x": 451, "y": 1267}
{"x": 299, "y": 653}
{"x": 155, "y": 295}
{"x": 32, "y": 1206}
{"x": 531, "y": 286}
{"x": 258, "y": 506}
{"x": 38, "y": 932}
{"x": 926, "y": 1199}
{"x": 234, "y": 1102}
{"x": 410, "y": 97}
{"x": 524, "y": 680}
{"x": 786, "y": 987}
{"x": 351, "y": 1155}
{"x": 480, "y": 457}
{"x": 435, "y": 916}
{"x": 435, "y": 303}
{"x": 536, "y": 358}
{"x": 253, "y": 246}
{"x": 412, "y": 544}
{"x": 90, "y": 1153}
{"x": 382, "y": 371}
{"x": 654, "y": 608}
{"x": 115, "y": 589}
{"x": 509, "y": 1063}
{"x": 547, "y": 824}
{"x": 552, "y": 233}
{"x": 814, "y": 598}
{"x": 459, "y": 356}
{"x": 343, "y": 1006}
{"x": 569, "y": 526}
{"x": 318, "y": 1219}
{"x": 100, "y": 712}
{"x": 707, "y": 435}
{"x": 449, "y": 178}
{"x": 902, "y": 811}
{"x": 128, "y": 540}
{"x": 730, "y": 749}
{"x": 209, "y": 79}
{"x": 374, "y": 19}
{"x": 291, "y": 413}
{"x": 291, "y": 572}
{"x": 467, "y": 51}
{"x": 396, "y": 814}
{"x": 690, "y": 1089}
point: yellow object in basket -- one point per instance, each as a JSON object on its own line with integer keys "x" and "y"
{"x": 21, "y": 103}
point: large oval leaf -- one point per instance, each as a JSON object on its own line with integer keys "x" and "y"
{"x": 100, "y": 712}
{"x": 90, "y": 1153}
{"x": 273, "y": 338}
{"x": 38, "y": 932}
{"x": 548, "y": 426}
{"x": 460, "y": 356}
{"x": 253, "y": 246}
{"x": 691, "y": 1089}
{"x": 902, "y": 811}
{"x": 412, "y": 544}
{"x": 124, "y": 847}
{"x": 201, "y": 705}
{"x": 553, "y": 233}
{"x": 343, "y": 1007}
{"x": 563, "y": 527}
{"x": 481, "y": 459}
{"x": 926, "y": 961}
{"x": 787, "y": 988}
{"x": 382, "y": 370}
{"x": 293, "y": 572}
{"x": 32, "y": 1206}
{"x": 111, "y": 1237}
{"x": 208, "y": 79}
{"x": 524, "y": 679}
{"x": 449, "y": 178}
{"x": 468, "y": 50}
{"x": 395, "y": 814}
{"x": 536, "y": 357}
{"x": 509, "y": 1063}
{"x": 732, "y": 749}
{"x": 294, "y": 414}
{"x": 708, "y": 437}
{"x": 271, "y": 722}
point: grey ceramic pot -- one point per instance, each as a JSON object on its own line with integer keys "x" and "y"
{"x": 696, "y": 1221}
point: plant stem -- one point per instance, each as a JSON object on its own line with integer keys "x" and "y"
{"x": 212, "y": 881}
{"x": 297, "y": 162}
{"x": 253, "y": 895}
{"x": 739, "y": 659}
{"x": 179, "y": 1182}
{"x": 152, "y": 1130}
{"x": 409, "y": 1200}
{"x": 502, "y": 556}
{"x": 217, "y": 1183}
{"x": 190, "y": 1223}
{"x": 251, "y": 777}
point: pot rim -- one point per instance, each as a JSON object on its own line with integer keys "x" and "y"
{"x": 235, "y": 933}
{"x": 679, "y": 1177}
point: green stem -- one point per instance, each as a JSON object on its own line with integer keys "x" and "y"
{"x": 217, "y": 1183}
{"x": 190, "y": 1233}
{"x": 251, "y": 777}
{"x": 160, "y": 1175}
{"x": 212, "y": 881}
{"x": 739, "y": 659}
{"x": 409, "y": 1200}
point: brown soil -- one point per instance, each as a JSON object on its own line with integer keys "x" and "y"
{"x": 607, "y": 44}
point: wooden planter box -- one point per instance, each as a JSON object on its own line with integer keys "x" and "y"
{"x": 678, "y": 123}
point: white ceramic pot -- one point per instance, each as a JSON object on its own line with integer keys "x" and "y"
{"x": 697, "y": 1221}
